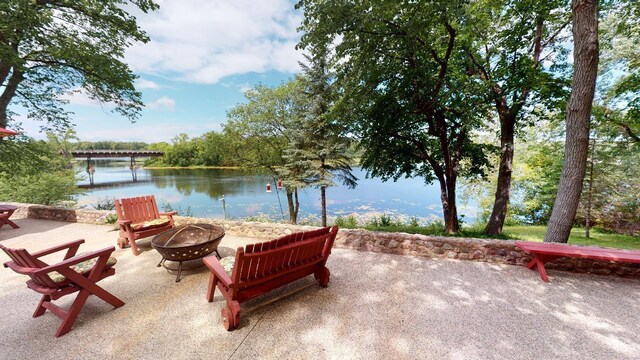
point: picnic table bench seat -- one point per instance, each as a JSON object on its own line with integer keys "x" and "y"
{"x": 545, "y": 252}
{"x": 260, "y": 268}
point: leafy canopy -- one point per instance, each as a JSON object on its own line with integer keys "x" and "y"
{"x": 51, "y": 48}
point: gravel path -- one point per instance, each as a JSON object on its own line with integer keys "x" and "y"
{"x": 377, "y": 306}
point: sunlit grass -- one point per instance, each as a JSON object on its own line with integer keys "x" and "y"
{"x": 597, "y": 237}
{"x": 521, "y": 232}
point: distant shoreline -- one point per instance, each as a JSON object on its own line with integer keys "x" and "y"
{"x": 194, "y": 167}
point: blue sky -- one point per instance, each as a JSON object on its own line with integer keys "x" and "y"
{"x": 202, "y": 56}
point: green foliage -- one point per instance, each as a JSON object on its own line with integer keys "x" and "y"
{"x": 111, "y": 219}
{"x": 111, "y": 145}
{"x": 406, "y": 89}
{"x": 619, "y": 82}
{"x": 349, "y": 222}
{"x": 104, "y": 204}
{"x": 34, "y": 172}
{"x": 319, "y": 151}
{"x": 52, "y": 48}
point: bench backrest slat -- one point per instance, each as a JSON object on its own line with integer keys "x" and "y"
{"x": 137, "y": 209}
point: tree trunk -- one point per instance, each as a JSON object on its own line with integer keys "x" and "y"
{"x": 297, "y": 204}
{"x": 449, "y": 208}
{"x": 292, "y": 213}
{"x": 294, "y": 206}
{"x": 9, "y": 91}
{"x": 585, "y": 70}
{"x": 323, "y": 203}
{"x": 501, "y": 202}
{"x": 587, "y": 224}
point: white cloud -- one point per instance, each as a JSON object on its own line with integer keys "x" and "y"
{"x": 146, "y": 84}
{"x": 162, "y": 103}
{"x": 203, "y": 41}
{"x": 81, "y": 97}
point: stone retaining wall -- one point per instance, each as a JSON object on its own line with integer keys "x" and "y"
{"x": 494, "y": 251}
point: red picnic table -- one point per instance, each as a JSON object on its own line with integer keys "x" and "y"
{"x": 5, "y": 213}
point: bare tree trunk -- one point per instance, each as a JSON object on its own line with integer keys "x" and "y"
{"x": 587, "y": 225}
{"x": 585, "y": 70}
{"x": 449, "y": 208}
{"x": 9, "y": 91}
{"x": 294, "y": 205}
{"x": 323, "y": 202}
{"x": 501, "y": 202}
{"x": 292, "y": 214}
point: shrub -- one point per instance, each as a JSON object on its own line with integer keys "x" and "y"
{"x": 111, "y": 219}
{"x": 350, "y": 222}
{"x": 105, "y": 204}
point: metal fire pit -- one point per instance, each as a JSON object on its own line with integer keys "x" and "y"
{"x": 187, "y": 242}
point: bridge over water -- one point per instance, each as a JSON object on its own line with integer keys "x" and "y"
{"x": 95, "y": 154}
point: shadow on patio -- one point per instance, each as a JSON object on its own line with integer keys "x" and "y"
{"x": 376, "y": 306}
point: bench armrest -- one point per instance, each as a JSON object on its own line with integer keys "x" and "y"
{"x": 124, "y": 222}
{"x": 214, "y": 265}
{"x": 169, "y": 213}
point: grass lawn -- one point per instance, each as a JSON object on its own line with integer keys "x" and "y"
{"x": 597, "y": 238}
{"x": 521, "y": 232}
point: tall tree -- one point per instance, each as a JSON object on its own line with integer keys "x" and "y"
{"x": 406, "y": 85}
{"x": 509, "y": 40}
{"x": 585, "y": 71}
{"x": 259, "y": 132}
{"x": 319, "y": 150}
{"x": 51, "y": 48}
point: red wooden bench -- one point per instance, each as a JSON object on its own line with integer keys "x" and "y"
{"x": 545, "y": 252}
{"x": 138, "y": 218}
{"x": 260, "y": 268}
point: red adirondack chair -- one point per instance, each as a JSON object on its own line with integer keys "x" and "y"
{"x": 138, "y": 218}
{"x": 74, "y": 274}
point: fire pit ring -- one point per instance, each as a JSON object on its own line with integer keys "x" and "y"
{"x": 187, "y": 242}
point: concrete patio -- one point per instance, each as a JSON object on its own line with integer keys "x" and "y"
{"x": 377, "y": 306}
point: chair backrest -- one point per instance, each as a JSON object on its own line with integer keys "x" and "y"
{"x": 257, "y": 263}
{"x": 137, "y": 209}
{"x": 28, "y": 265}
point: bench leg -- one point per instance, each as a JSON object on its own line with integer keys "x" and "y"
{"x": 538, "y": 263}
{"x": 323, "y": 276}
{"x": 213, "y": 281}
{"x": 231, "y": 315}
{"x": 5, "y": 221}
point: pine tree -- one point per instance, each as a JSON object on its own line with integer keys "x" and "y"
{"x": 318, "y": 154}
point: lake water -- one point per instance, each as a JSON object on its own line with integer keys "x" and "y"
{"x": 198, "y": 192}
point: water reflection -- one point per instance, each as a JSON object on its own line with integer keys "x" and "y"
{"x": 200, "y": 191}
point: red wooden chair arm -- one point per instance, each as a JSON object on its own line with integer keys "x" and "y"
{"x": 214, "y": 264}
{"x": 19, "y": 269}
{"x": 124, "y": 222}
{"x": 75, "y": 260}
{"x": 169, "y": 213}
{"x": 73, "y": 245}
